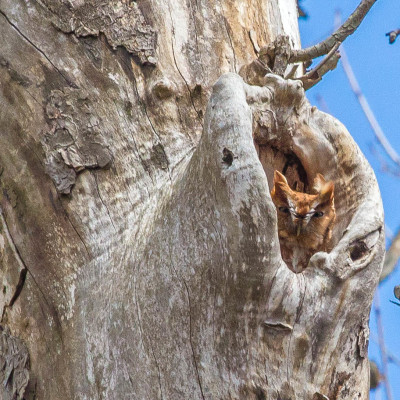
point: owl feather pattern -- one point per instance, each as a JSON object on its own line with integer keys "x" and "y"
{"x": 305, "y": 221}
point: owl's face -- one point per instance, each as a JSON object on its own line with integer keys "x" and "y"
{"x": 303, "y": 217}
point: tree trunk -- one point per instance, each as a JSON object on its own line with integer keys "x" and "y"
{"x": 138, "y": 242}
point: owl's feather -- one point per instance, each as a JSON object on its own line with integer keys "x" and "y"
{"x": 305, "y": 221}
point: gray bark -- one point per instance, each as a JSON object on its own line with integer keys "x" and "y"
{"x": 138, "y": 245}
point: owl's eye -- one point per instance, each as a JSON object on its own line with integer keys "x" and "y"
{"x": 284, "y": 210}
{"x": 318, "y": 214}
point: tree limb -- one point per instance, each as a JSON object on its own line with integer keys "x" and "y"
{"x": 348, "y": 28}
{"x": 329, "y": 63}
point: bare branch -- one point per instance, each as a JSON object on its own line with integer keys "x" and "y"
{"x": 393, "y": 35}
{"x": 382, "y": 346}
{"x": 329, "y": 63}
{"x": 367, "y": 109}
{"x": 391, "y": 258}
{"x": 339, "y": 36}
{"x": 392, "y": 358}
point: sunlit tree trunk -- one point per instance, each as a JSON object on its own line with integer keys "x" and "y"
{"x": 138, "y": 244}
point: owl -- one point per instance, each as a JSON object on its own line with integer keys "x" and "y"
{"x": 305, "y": 221}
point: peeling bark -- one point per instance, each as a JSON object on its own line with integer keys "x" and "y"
{"x": 138, "y": 245}
{"x": 14, "y": 371}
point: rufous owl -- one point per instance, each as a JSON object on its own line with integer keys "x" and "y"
{"x": 305, "y": 221}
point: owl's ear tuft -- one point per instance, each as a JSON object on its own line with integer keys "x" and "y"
{"x": 319, "y": 183}
{"x": 281, "y": 188}
{"x": 326, "y": 193}
{"x": 279, "y": 178}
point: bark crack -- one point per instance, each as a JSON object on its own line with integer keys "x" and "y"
{"x": 142, "y": 335}
{"x": 193, "y": 15}
{"x": 145, "y": 167}
{"x": 215, "y": 289}
{"x": 76, "y": 231}
{"x": 227, "y": 27}
{"x": 102, "y": 201}
{"x": 179, "y": 71}
{"x": 191, "y": 340}
{"x": 143, "y": 105}
{"x": 15, "y": 27}
{"x": 299, "y": 309}
{"x": 193, "y": 141}
{"x": 129, "y": 69}
{"x": 186, "y": 288}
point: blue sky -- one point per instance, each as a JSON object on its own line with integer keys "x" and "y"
{"x": 376, "y": 65}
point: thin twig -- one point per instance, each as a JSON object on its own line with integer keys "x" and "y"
{"x": 302, "y": 12}
{"x": 339, "y": 36}
{"x": 322, "y": 104}
{"x": 391, "y": 258}
{"x": 391, "y": 357}
{"x": 382, "y": 347}
{"x": 367, "y": 109}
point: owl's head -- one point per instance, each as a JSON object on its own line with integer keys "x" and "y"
{"x": 302, "y": 214}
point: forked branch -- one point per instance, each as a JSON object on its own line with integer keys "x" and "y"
{"x": 338, "y": 36}
{"x": 329, "y": 63}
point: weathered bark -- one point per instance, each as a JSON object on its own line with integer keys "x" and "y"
{"x": 140, "y": 258}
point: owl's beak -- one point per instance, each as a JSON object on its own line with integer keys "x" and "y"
{"x": 298, "y": 230}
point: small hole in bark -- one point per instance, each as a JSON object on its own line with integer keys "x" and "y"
{"x": 227, "y": 156}
{"x": 259, "y": 393}
{"x": 197, "y": 90}
{"x": 358, "y": 251}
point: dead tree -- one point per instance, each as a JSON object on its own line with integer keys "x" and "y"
{"x": 138, "y": 244}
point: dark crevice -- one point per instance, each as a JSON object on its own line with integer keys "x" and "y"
{"x": 287, "y": 162}
{"x": 20, "y": 285}
{"x": 17, "y": 291}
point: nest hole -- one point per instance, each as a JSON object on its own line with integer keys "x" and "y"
{"x": 296, "y": 241}
{"x": 273, "y": 158}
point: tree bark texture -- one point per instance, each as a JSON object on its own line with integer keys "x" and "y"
{"x": 138, "y": 242}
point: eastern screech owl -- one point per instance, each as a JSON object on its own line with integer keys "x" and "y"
{"x": 305, "y": 221}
